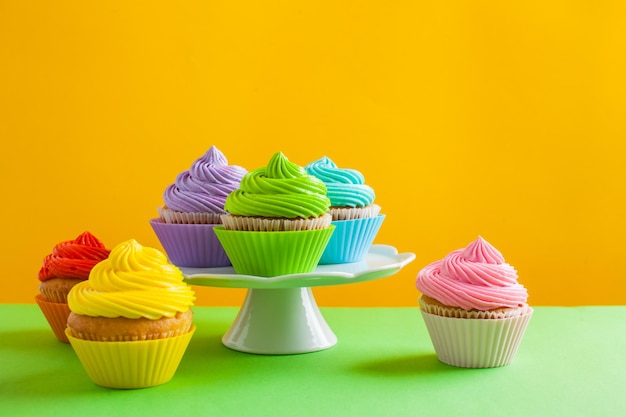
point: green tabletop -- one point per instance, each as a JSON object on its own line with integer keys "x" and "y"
{"x": 572, "y": 362}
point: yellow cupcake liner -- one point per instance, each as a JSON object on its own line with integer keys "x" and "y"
{"x": 56, "y": 314}
{"x": 131, "y": 365}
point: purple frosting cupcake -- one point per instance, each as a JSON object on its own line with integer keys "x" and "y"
{"x": 193, "y": 205}
{"x": 198, "y": 194}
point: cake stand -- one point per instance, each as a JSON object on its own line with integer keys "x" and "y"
{"x": 279, "y": 315}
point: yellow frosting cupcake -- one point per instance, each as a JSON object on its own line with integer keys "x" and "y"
{"x": 134, "y": 304}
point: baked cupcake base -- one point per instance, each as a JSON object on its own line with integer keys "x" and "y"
{"x": 122, "y": 329}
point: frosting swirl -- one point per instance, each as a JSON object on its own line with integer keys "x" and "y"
{"x": 73, "y": 258}
{"x": 135, "y": 281}
{"x": 281, "y": 189}
{"x": 474, "y": 278}
{"x": 204, "y": 187}
{"x": 346, "y": 187}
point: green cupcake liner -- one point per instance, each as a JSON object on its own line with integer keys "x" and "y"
{"x": 269, "y": 254}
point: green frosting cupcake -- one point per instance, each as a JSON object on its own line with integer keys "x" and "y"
{"x": 282, "y": 189}
{"x": 277, "y": 222}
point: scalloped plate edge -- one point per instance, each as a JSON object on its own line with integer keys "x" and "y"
{"x": 319, "y": 277}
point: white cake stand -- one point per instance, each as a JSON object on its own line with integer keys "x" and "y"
{"x": 279, "y": 315}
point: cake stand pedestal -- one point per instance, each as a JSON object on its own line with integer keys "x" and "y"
{"x": 279, "y": 321}
{"x": 279, "y": 315}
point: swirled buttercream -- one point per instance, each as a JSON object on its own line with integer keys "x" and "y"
{"x": 134, "y": 281}
{"x": 73, "y": 258}
{"x": 346, "y": 187}
{"x": 282, "y": 189}
{"x": 473, "y": 278}
{"x": 204, "y": 187}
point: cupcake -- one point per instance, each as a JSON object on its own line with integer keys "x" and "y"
{"x": 277, "y": 221}
{"x": 193, "y": 206}
{"x": 131, "y": 321}
{"x": 474, "y": 308}
{"x": 355, "y": 216}
{"x": 68, "y": 264}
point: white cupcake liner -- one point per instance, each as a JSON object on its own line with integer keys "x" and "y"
{"x": 265, "y": 224}
{"x": 350, "y": 213}
{"x": 179, "y": 217}
{"x": 476, "y": 343}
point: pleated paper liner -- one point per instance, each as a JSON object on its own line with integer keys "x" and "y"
{"x": 270, "y": 224}
{"x": 131, "y": 365}
{"x": 350, "y": 213}
{"x": 476, "y": 343}
{"x": 179, "y": 217}
{"x": 432, "y": 306}
{"x": 191, "y": 245}
{"x": 268, "y": 254}
{"x": 55, "y": 290}
{"x": 56, "y": 314}
{"x": 351, "y": 240}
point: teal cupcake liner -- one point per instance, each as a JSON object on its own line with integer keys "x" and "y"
{"x": 351, "y": 240}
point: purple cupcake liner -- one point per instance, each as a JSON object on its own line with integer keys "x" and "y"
{"x": 191, "y": 245}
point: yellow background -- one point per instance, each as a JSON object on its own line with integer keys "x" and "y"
{"x": 491, "y": 118}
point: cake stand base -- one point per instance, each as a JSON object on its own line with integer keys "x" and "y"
{"x": 279, "y": 321}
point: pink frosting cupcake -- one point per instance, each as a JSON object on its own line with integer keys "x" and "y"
{"x": 193, "y": 206}
{"x": 475, "y": 310}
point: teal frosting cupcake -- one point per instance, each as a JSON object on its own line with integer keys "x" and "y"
{"x": 356, "y": 217}
{"x": 350, "y": 197}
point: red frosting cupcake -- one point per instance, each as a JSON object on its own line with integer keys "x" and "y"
{"x": 69, "y": 263}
